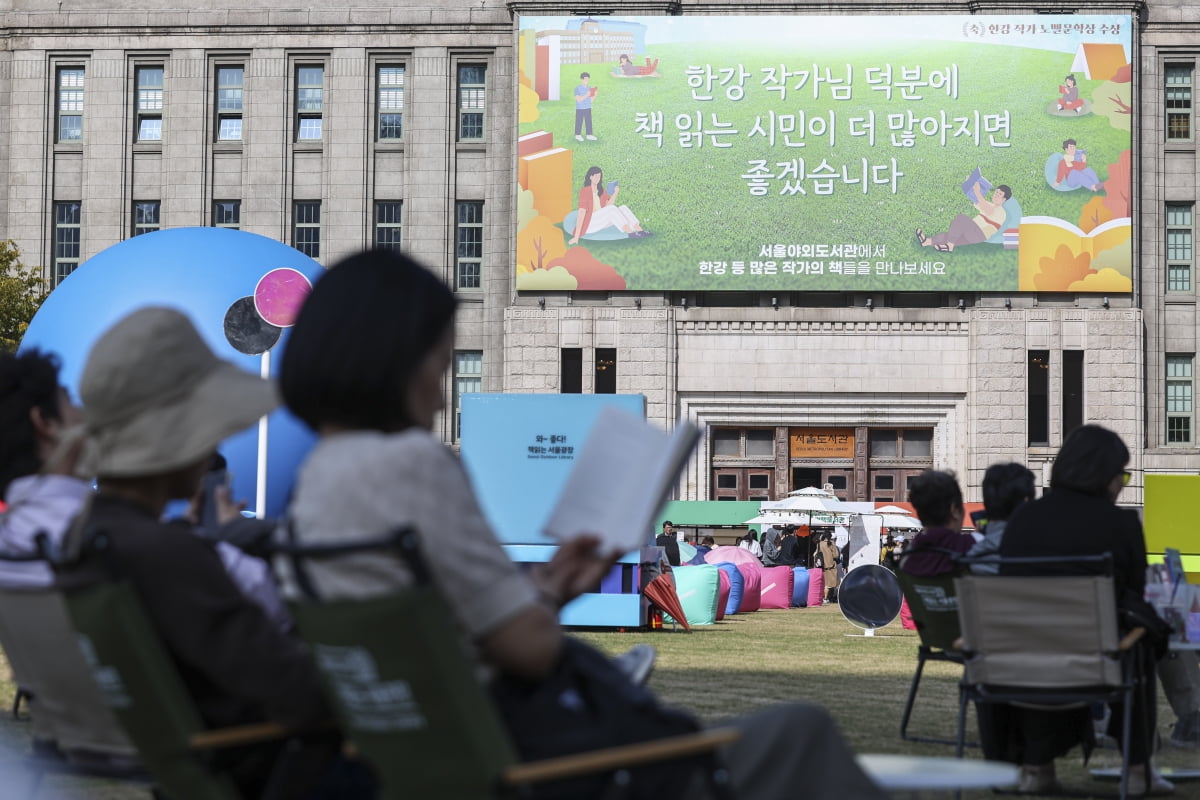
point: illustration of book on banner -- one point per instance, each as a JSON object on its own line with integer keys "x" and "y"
{"x": 976, "y": 179}
{"x": 620, "y": 480}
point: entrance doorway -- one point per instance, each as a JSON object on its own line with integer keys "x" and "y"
{"x": 803, "y": 477}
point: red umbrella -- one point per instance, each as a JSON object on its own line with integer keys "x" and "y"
{"x": 661, "y": 592}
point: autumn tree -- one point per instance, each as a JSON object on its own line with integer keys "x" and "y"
{"x": 22, "y": 290}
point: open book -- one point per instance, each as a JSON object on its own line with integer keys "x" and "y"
{"x": 620, "y": 480}
{"x": 968, "y": 186}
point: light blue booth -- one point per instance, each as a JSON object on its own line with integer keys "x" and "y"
{"x": 519, "y": 450}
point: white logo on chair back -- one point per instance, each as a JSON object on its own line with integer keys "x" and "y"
{"x": 768, "y": 588}
{"x": 934, "y": 598}
{"x": 370, "y": 704}
{"x": 108, "y": 680}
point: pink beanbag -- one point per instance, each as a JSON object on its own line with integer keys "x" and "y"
{"x": 816, "y": 586}
{"x": 722, "y": 594}
{"x": 751, "y": 594}
{"x": 777, "y": 587}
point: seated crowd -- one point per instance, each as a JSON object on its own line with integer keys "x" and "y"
{"x": 156, "y": 404}
{"x": 1077, "y": 516}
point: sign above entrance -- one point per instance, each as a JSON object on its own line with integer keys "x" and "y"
{"x": 821, "y": 442}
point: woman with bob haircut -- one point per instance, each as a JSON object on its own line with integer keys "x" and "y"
{"x": 365, "y": 369}
{"x": 1078, "y": 516}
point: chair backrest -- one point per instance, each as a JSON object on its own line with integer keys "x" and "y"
{"x": 43, "y": 650}
{"x": 1046, "y": 632}
{"x": 406, "y": 693}
{"x": 140, "y": 683}
{"x": 933, "y": 603}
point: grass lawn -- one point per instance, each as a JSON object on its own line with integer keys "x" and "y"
{"x": 748, "y": 661}
{"x": 699, "y": 206}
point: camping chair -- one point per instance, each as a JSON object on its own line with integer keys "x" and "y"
{"x": 139, "y": 682}
{"x": 1048, "y": 642}
{"x": 411, "y": 705}
{"x": 934, "y": 609}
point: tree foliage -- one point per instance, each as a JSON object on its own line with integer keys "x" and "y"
{"x": 22, "y": 290}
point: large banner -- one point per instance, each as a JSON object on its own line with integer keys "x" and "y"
{"x": 881, "y": 153}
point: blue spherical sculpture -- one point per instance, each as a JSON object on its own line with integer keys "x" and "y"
{"x": 215, "y": 276}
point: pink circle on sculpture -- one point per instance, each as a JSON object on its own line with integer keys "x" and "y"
{"x": 279, "y": 295}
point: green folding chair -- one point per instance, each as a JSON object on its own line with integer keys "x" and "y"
{"x": 412, "y": 706}
{"x": 139, "y": 682}
{"x": 934, "y": 607}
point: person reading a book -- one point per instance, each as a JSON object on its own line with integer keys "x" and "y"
{"x": 365, "y": 369}
{"x": 1074, "y": 169}
{"x": 598, "y": 209}
{"x": 1070, "y": 96}
{"x": 966, "y": 230}
{"x": 583, "y": 107}
{"x": 625, "y": 67}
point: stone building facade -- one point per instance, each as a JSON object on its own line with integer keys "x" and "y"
{"x": 271, "y": 119}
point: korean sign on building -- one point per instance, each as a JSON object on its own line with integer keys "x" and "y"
{"x": 883, "y": 153}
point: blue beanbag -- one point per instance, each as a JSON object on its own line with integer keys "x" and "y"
{"x": 800, "y": 587}
{"x": 737, "y": 585}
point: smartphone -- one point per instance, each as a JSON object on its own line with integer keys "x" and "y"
{"x": 213, "y": 480}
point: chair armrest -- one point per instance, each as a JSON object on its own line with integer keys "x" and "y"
{"x": 246, "y": 734}
{"x": 1131, "y": 638}
{"x": 623, "y": 756}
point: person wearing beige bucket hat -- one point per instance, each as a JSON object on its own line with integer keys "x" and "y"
{"x": 157, "y": 403}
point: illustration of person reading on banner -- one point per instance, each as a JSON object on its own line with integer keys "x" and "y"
{"x": 966, "y": 230}
{"x": 1073, "y": 170}
{"x": 1070, "y": 96}
{"x": 598, "y": 209}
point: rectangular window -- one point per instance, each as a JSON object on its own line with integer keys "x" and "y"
{"x": 606, "y": 370}
{"x": 145, "y": 216}
{"x": 387, "y": 225}
{"x": 1038, "y": 393}
{"x": 469, "y": 254}
{"x": 70, "y": 104}
{"x": 727, "y": 442}
{"x": 918, "y": 443}
{"x": 1179, "y": 247}
{"x": 760, "y": 442}
{"x": 227, "y": 214}
{"x": 66, "y": 239}
{"x": 229, "y": 103}
{"x": 472, "y": 101}
{"x": 884, "y": 443}
{"x": 389, "y": 102}
{"x": 149, "y": 104}
{"x": 306, "y": 227}
{"x": 310, "y": 102}
{"x": 468, "y": 378}
{"x": 1072, "y": 390}
{"x": 1179, "y": 399}
{"x": 571, "y": 375}
{"x": 1179, "y": 101}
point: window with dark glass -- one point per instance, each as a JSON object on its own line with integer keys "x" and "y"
{"x": 884, "y": 443}
{"x": 387, "y": 225}
{"x": 306, "y": 227}
{"x": 468, "y": 378}
{"x": 66, "y": 239}
{"x": 145, "y": 216}
{"x": 469, "y": 256}
{"x": 1072, "y": 395}
{"x": 1038, "y": 394}
{"x": 760, "y": 442}
{"x": 606, "y": 370}
{"x": 571, "y": 378}
{"x": 1180, "y": 395}
{"x": 227, "y": 214}
{"x": 1179, "y": 247}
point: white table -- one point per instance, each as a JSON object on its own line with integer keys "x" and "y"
{"x": 896, "y": 773}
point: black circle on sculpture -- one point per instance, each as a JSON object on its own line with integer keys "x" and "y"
{"x": 247, "y": 331}
{"x": 869, "y": 596}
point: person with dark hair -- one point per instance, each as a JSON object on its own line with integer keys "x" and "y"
{"x": 829, "y": 554}
{"x": 584, "y": 95}
{"x": 1070, "y": 95}
{"x": 1005, "y": 486}
{"x": 670, "y": 545}
{"x": 364, "y": 368}
{"x": 938, "y": 501}
{"x": 750, "y": 542}
{"x": 1074, "y": 169}
{"x": 1079, "y": 516}
{"x": 966, "y": 230}
{"x": 598, "y": 209}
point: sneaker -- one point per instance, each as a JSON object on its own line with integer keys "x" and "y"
{"x": 578, "y": 138}
{"x": 1158, "y": 785}
{"x": 590, "y": 138}
{"x": 1038, "y": 779}
{"x": 1186, "y": 733}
